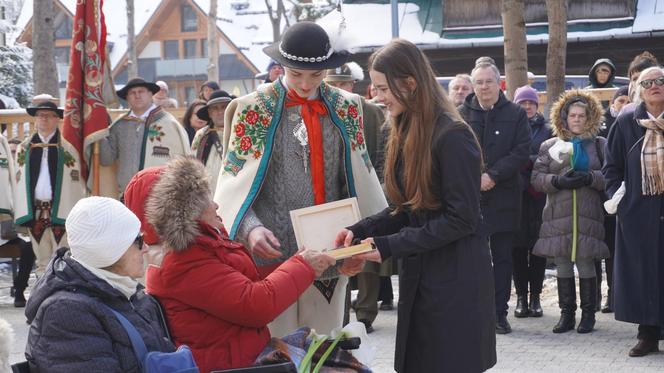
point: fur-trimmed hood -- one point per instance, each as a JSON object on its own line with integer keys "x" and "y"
{"x": 177, "y": 202}
{"x": 558, "y": 115}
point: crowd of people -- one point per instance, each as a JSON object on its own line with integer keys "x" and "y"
{"x": 463, "y": 191}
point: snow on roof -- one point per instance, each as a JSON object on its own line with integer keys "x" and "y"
{"x": 115, "y": 13}
{"x": 377, "y": 17}
{"x": 649, "y": 16}
{"x": 247, "y": 24}
{"x": 116, "y": 21}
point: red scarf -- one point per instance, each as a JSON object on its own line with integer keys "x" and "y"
{"x": 311, "y": 112}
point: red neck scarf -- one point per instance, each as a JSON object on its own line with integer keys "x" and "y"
{"x": 311, "y": 112}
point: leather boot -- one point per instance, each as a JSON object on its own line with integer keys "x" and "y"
{"x": 567, "y": 303}
{"x": 588, "y": 295}
{"x": 521, "y": 310}
{"x": 19, "y": 299}
{"x": 535, "y": 306}
{"x": 644, "y": 347}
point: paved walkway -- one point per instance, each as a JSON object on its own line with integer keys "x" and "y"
{"x": 531, "y": 347}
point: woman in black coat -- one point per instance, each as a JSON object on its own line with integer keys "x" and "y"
{"x": 529, "y": 268}
{"x": 639, "y": 261}
{"x": 72, "y": 328}
{"x": 446, "y": 315}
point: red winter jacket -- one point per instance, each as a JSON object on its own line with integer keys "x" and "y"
{"x": 215, "y": 302}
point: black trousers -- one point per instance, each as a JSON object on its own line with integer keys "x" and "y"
{"x": 386, "y": 293}
{"x": 501, "y": 244}
{"x": 610, "y": 239}
{"x": 528, "y": 270}
{"x": 649, "y": 332}
{"x": 26, "y": 262}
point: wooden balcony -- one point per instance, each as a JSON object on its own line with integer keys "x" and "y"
{"x": 19, "y": 124}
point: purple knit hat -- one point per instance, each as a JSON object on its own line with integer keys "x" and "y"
{"x": 525, "y": 93}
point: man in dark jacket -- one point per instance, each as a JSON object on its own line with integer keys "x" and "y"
{"x": 502, "y": 130}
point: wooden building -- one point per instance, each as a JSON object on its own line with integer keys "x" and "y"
{"x": 171, "y": 45}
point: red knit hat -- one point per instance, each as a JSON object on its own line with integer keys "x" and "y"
{"x": 137, "y": 193}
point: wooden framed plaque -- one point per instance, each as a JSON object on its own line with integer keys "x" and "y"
{"x": 316, "y": 226}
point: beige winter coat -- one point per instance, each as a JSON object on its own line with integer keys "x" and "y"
{"x": 555, "y": 238}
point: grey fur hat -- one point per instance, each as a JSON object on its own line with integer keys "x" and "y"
{"x": 177, "y": 201}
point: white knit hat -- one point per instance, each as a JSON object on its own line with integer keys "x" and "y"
{"x": 100, "y": 230}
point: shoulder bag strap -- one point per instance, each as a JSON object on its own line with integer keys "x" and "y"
{"x": 140, "y": 350}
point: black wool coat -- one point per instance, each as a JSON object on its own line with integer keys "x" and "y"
{"x": 638, "y": 282}
{"x": 71, "y": 331}
{"x": 504, "y": 136}
{"x": 446, "y": 316}
{"x": 533, "y": 201}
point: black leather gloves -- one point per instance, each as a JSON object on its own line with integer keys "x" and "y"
{"x": 572, "y": 180}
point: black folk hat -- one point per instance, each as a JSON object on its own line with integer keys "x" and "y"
{"x": 215, "y": 98}
{"x": 45, "y": 105}
{"x": 306, "y": 45}
{"x": 137, "y": 82}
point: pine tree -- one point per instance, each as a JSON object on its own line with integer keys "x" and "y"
{"x": 16, "y": 73}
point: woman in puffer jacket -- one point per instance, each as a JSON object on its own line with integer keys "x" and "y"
{"x": 568, "y": 170}
{"x": 72, "y": 328}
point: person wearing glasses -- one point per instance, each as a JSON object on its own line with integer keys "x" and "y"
{"x": 72, "y": 328}
{"x": 504, "y": 135}
{"x": 635, "y": 165}
{"x": 48, "y": 183}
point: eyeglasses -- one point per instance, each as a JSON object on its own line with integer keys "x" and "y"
{"x": 139, "y": 241}
{"x": 648, "y": 83}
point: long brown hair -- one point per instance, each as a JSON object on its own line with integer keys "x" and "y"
{"x": 412, "y": 131}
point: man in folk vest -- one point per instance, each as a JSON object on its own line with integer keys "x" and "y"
{"x": 207, "y": 142}
{"x": 146, "y": 136}
{"x": 295, "y": 143}
{"x": 48, "y": 184}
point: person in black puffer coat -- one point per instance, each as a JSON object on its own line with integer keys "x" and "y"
{"x": 529, "y": 268}
{"x": 70, "y": 329}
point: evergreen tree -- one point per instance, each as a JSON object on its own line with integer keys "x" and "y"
{"x": 16, "y": 73}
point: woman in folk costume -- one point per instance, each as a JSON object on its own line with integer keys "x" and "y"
{"x": 568, "y": 170}
{"x": 295, "y": 143}
{"x": 635, "y": 168}
{"x": 48, "y": 184}
{"x": 207, "y": 143}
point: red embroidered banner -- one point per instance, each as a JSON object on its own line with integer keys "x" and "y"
{"x": 86, "y": 119}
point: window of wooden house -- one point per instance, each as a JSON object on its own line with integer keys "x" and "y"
{"x": 189, "y": 94}
{"x": 204, "y": 48}
{"x": 64, "y": 29}
{"x": 62, "y": 55}
{"x": 188, "y": 19}
{"x": 171, "y": 50}
{"x": 190, "y": 48}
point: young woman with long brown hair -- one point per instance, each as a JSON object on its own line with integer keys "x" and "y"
{"x": 432, "y": 177}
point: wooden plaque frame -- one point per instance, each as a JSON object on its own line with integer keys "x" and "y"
{"x": 317, "y": 226}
